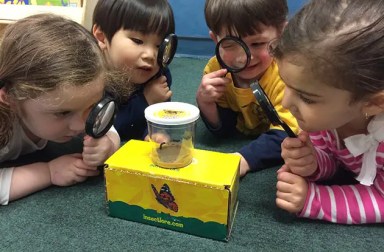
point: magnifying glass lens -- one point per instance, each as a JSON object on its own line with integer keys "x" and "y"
{"x": 167, "y": 54}
{"x": 233, "y": 54}
{"x": 101, "y": 118}
{"x": 167, "y": 50}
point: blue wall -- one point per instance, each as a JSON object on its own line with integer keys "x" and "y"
{"x": 192, "y": 31}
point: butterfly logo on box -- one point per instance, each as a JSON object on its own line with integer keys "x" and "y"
{"x": 165, "y": 197}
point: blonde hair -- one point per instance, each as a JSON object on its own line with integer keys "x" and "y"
{"x": 41, "y": 53}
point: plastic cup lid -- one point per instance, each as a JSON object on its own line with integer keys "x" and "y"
{"x": 172, "y": 113}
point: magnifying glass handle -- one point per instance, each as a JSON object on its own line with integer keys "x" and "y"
{"x": 288, "y": 130}
{"x": 235, "y": 83}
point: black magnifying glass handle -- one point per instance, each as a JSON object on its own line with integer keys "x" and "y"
{"x": 288, "y": 130}
{"x": 269, "y": 109}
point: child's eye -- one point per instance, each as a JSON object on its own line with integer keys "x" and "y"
{"x": 62, "y": 114}
{"x": 137, "y": 41}
{"x": 258, "y": 44}
{"x": 229, "y": 45}
{"x": 306, "y": 100}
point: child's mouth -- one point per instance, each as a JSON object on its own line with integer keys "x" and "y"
{"x": 146, "y": 69}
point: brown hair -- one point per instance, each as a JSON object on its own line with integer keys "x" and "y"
{"x": 341, "y": 42}
{"x": 40, "y": 53}
{"x": 243, "y": 17}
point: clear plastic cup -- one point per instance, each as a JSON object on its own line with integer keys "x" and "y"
{"x": 171, "y": 130}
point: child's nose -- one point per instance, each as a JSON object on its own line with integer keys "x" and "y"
{"x": 150, "y": 53}
{"x": 286, "y": 103}
{"x": 78, "y": 122}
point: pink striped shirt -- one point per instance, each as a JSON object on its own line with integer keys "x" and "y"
{"x": 348, "y": 204}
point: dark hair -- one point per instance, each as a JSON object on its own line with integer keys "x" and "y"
{"x": 243, "y": 17}
{"x": 41, "y": 53}
{"x": 146, "y": 16}
{"x": 341, "y": 42}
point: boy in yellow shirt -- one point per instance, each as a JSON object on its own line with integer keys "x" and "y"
{"x": 226, "y": 107}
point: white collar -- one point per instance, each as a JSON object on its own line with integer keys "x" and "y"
{"x": 367, "y": 144}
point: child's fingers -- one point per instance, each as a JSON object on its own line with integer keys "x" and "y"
{"x": 304, "y": 137}
{"x": 90, "y": 141}
{"x": 86, "y": 165}
{"x": 162, "y": 78}
{"x": 285, "y": 205}
{"x": 297, "y": 153}
{"x": 218, "y": 73}
{"x": 86, "y": 172}
{"x": 285, "y": 196}
{"x": 291, "y": 142}
{"x": 169, "y": 94}
{"x": 282, "y": 186}
{"x": 91, "y": 161}
{"x": 220, "y": 89}
{"x": 219, "y": 83}
{"x": 299, "y": 160}
{"x": 159, "y": 138}
{"x": 217, "y": 76}
{"x": 283, "y": 168}
{"x": 287, "y": 177}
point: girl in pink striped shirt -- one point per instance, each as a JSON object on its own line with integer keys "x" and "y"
{"x": 331, "y": 57}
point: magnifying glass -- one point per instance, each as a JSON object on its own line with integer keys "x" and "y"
{"x": 167, "y": 50}
{"x": 101, "y": 117}
{"x": 234, "y": 55}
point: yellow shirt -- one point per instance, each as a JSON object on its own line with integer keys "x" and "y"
{"x": 251, "y": 119}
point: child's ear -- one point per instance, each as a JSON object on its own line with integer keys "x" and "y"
{"x": 213, "y": 37}
{"x": 283, "y": 28}
{"x": 100, "y": 36}
{"x": 3, "y": 96}
{"x": 375, "y": 105}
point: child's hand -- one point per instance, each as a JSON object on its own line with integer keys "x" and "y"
{"x": 97, "y": 150}
{"x": 291, "y": 191}
{"x": 157, "y": 91}
{"x": 212, "y": 87}
{"x": 158, "y": 138}
{"x": 299, "y": 155}
{"x": 70, "y": 169}
{"x": 243, "y": 166}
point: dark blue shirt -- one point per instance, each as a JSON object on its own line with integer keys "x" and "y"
{"x": 130, "y": 121}
{"x": 262, "y": 152}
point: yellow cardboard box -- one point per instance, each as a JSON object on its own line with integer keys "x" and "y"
{"x": 199, "y": 199}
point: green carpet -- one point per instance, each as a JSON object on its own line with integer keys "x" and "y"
{"x": 75, "y": 218}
